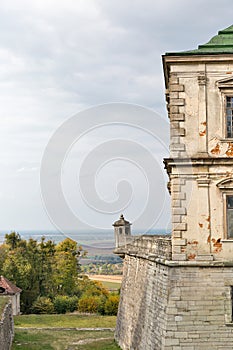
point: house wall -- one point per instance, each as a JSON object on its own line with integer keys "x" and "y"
{"x": 200, "y": 156}
{"x": 15, "y": 300}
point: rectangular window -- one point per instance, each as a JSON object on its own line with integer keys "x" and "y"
{"x": 229, "y": 206}
{"x": 229, "y": 116}
{"x": 231, "y": 304}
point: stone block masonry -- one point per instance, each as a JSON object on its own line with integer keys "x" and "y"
{"x": 167, "y": 306}
{"x": 141, "y": 323}
{"x": 6, "y": 328}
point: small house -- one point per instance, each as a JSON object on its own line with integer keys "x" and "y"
{"x": 8, "y": 288}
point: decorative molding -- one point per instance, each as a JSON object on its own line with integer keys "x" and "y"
{"x": 226, "y": 184}
{"x": 225, "y": 83}
{"x": 202, "y": 79}
{"x": 203, "y": 181}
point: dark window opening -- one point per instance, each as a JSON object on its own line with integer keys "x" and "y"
{"x": 120, "y": 231}
{"x": 229, "y": 116}
{"x": 231, "y": 304}
{"x": 229, "y": 204}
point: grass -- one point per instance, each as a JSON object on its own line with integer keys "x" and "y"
{"x": 63, "y": 340}
{"x": 65, "y": 321}
{"x": 112, "y": 286}
{"x": 43, "y": 339}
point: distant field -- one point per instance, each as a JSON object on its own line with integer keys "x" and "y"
{"x": 112, "y": 283}
{"x": 106, "y": 278}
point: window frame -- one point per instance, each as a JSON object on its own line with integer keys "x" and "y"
{"x": 224, "y": 94}
{"x": 225, "y": 219}
{"x": 227, "y": 95}
{"x": 225, "y": 88}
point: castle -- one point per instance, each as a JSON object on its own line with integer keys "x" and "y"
{"x": 177, "y": 291}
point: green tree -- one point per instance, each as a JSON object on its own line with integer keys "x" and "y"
{"x": 12, "y": 240}
{"x": 41, "y": 269}
{"x": 67, "y": 267}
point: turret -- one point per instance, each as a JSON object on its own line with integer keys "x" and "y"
{"x": 122, "y": 232}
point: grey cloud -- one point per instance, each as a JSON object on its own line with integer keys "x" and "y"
{"x": 59, "y": 57}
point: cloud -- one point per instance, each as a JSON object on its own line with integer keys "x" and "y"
{"x": 59, "y": 57}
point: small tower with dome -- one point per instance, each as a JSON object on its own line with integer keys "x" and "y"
{"x": 122, "y": 232}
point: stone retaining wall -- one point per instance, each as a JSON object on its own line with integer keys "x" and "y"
{"x": 6, "y": 328}
{"x": 141, "y": 321}
{"x": 167, "y": 305}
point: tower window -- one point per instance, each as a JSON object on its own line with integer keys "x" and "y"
{"x": 229, "y": 116}
{"x": 229, "y": 207}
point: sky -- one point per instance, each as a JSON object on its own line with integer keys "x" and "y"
{"x": 59, "y": 59}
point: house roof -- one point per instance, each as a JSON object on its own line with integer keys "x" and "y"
{"x": 222, "y": 43}
{"x": 9, "y": 287}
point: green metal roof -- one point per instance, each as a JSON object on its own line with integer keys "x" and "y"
{"x": 219, "y": 44}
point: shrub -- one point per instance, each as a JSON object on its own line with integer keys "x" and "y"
{"x": 111, "y": 305}
{"x": 60, "y": 303}
{"x": 63, "y": 304}
{"x": 43, "y": 305}
{"x": 72, "y": 303}
{"x": 92, "y": 303}
{"x": 91, "y": 288}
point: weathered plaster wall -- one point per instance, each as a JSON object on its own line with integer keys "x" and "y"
{"x": 167, "y": 307}
{"x": 201, "y": 157}
{"x": 6, "y": 328}
{"x": 195, "y": 99}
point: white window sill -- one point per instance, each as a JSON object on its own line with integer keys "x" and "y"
{"x": 226, "y": 139}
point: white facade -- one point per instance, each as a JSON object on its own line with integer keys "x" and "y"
{"x": 201, "y": 155}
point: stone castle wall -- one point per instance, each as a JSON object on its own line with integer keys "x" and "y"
{"x": 6, "y": 328}
{"x": 141, "y": 322}
{"x": 173, "y": 306}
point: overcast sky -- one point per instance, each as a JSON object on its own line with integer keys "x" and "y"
{"x": 59, "y": 57}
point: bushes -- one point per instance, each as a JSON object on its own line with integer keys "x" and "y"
{"x": 92, "y": 304}
{"x": 111, "y": 305}
{"x": 105, "y": 305}
{"x": 63, "y": 304}
{"x": 43, "y": 305}
{"x": 60, "y": 305}
{"x": 72, "y": 304}
{"x": 94, "y": 299}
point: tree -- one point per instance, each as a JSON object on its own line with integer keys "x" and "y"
{"x": 12, "y": 240}
{"x": 41, "y": 269}
{"x": 67, "y": 267}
